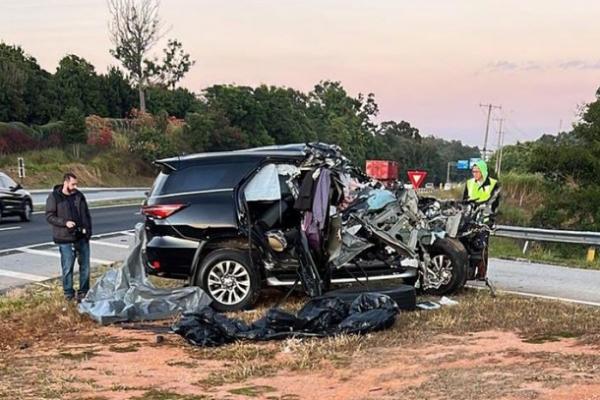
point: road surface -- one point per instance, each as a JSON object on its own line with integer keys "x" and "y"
{"x": 27, "y": 255}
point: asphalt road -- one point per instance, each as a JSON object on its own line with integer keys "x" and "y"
{"x": 14, "y": 233}
{"x": 543, "y": 280}
{"x": 26, "y": 256}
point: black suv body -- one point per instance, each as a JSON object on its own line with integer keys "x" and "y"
{"x": 14, "y": 200}
{"x": 200, "y": 225}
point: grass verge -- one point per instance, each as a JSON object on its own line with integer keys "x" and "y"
{"x": 569, "y": 255}
{"x": 35, "y": 317}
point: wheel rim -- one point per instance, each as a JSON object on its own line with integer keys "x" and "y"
{"x": 228, "y": 282}
{"x": 28, "y": 211}
{"x": 441, "y": 267}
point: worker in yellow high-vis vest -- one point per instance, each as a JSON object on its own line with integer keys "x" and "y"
{"x": 483, "y": 189}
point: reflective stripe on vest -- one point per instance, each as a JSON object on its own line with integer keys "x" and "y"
{"x": 480, "y": 194}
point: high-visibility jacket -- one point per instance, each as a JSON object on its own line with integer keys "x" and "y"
{"x": 480, "y": 194}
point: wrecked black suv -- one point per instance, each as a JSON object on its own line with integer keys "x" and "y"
{"x": 234, "y": 222}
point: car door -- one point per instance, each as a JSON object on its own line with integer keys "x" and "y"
{"x": 11, "y": 199}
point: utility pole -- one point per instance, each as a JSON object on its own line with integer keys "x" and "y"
{"x": 499, "y": 148}
{"x": 450, "y": 163}
{"x": 500, "y": 157}
{"x": 487, "y": 126}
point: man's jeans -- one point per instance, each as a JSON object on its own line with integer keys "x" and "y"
{"x": 68, "y": 252}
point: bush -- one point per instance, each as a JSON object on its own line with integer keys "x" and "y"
{"x": 99, "y": 132}
{"x": 51, "y": 134}
{"x": 74, "y": 129}
{"x": 151, "y": 144}
{"x": 14, "y": 138}
{"x": 510, "y": 215}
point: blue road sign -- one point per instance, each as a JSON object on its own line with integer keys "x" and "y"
{"x": 472, "y": 161}
{"x": 462, "y": 164}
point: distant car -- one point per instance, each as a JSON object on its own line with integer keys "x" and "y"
{"x": 14, "y": 200}
{"x": 429, "y": 185}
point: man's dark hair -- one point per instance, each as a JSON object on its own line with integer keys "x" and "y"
{"x": 68, "y": 176}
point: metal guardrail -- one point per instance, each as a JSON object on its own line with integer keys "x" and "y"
{"x": 548, "y": 235}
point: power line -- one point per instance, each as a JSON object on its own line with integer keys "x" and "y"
{"x": 487, "y": 126}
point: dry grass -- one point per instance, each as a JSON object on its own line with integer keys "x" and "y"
{"x": 34, "y": 316}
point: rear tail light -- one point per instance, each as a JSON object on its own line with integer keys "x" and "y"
{"x": 155, "y": 264}
{"x": 161, "y": 211}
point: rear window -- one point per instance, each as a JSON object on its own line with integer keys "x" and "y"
{"x": 201, "y": 177}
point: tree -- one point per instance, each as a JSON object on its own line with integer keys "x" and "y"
{"x": 79, "y": 86}
{"x": 175, "y": 64}
{"x": 177, "y": 102}
{"x": 118, "y": 94}
{"x": 400, "y": 129}
{"x": 26, "y": 92}
{"x": 340, "y": 119}
{"x": 74, "y": 126}
{"x": 135, "y": 28}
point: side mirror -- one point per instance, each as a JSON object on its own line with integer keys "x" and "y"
{"x": 15, "y": 188}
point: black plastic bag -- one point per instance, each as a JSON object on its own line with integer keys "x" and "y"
{"x": 321, "y": 316}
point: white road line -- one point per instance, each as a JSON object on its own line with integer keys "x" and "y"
{"x": 55, "y": 254}
{"x": 539, "y": 296}
{"x": 24, "y": 276}
{"x": 120, "y": 246}
{"x": 129, "y": 233}
{"x": 10, "y": 228}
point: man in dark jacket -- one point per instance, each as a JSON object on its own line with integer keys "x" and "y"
{"x": 68, "y": 213}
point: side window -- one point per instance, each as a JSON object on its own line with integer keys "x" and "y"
{"x": 202, "y": 177}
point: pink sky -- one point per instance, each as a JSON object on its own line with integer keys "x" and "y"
{"x": 430, "y": 63}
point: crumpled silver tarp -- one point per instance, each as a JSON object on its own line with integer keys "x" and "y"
{"x": 125, "y": 294}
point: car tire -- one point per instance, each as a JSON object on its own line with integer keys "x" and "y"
{"x": 404, "y": 295}
{"x": 27, "y": 211}
{"x": 230, "y": 279}
{"x": 449, "y": 250}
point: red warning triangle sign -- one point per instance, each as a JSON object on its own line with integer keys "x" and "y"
{"x": 417, "y": 177}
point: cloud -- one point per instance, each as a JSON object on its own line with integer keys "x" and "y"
{"x": 509, "y": 66}
{"x": 579, "y": 64}
{"x": 519, "y": 66}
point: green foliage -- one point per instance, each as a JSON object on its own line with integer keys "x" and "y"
{"x": 151, "y": 144}
{"x": 511, "y": 215}
{"x": 118, "y": 94}
{"x": 78, "y": 86}
{"x": 74, "y": 126}
{"x": 515, "y": 157}
{"x": 175, "y": 64}
{"x": 343, "y": 120}
{"x": 177, "y": 102}
{"x": 570, "y": 165}
{"x": 26, "y": 92}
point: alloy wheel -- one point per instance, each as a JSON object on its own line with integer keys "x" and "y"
{"x": 228, "y": 282}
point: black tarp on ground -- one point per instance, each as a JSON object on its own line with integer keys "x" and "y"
{"x": 126, "y": 294}
{"x": 322, "y": 316}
